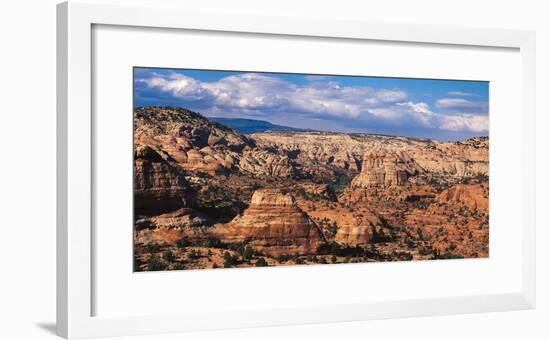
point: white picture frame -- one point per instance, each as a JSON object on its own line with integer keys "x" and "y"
{"x": 75, "y": 179}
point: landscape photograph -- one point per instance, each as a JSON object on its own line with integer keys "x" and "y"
{"x": 239, "y": 169}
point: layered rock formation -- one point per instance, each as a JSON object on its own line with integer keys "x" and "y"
{"x": 273, "y": 224}
{"x": 474, "y": 196}
{"x": 204, "y": 192}
{"x": 382, "y": 169}
{"x": 338, "y": 223}
{"x": 345, "y": 151}
{"x": 354, "y": 235}
{"x": 200, "y": 145}
{"x": 266, "y": 163}
{"x": 159, "y": 187}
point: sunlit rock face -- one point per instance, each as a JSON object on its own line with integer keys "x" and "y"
{"x": 273, "y": 224}
{"x": 382, "y": 168}
{"x": 159, "y": 187}
{"x": 197, "y": 144}
{"x": 474, "y": 196}
{"x": 354, "y": 235}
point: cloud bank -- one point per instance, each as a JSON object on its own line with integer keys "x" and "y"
{"x": 258, "y": 95}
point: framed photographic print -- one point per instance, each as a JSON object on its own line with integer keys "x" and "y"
{"x": 315, "y": 171}
{"x": 295, "y": 169}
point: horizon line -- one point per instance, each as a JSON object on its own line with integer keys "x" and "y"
{"x": 309, "y": 130}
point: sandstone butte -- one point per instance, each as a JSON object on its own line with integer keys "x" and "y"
{"x": 159, "y": 187}
{"x": 273, "y": 224}
{"x": 383, "y": 168}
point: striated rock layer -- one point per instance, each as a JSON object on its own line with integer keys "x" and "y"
{"x": 159, "y": 187}
{"x": 200, "y": 145}
{"x": 474, "y": 196}
{"x": 344, "y": 151}
{"x": 273, "y": 224}
{"x": 354, "y": 235}
{"x": 381, "y": 168}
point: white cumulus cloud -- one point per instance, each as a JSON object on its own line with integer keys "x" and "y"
{"x": 252, "y": 91}
{"x": 465, "y": 122}
{"x": 256, "y": 94}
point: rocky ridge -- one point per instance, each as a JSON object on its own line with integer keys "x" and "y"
{"x": 346, "y": 151}
{"x": 198, "y": 144}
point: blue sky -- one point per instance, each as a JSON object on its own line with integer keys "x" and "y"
{"x": 436, "y": 109}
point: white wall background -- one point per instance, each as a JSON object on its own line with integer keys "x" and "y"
{"x": 27, "y": 167}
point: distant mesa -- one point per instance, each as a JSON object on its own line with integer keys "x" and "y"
{"x": 248, "y": 126}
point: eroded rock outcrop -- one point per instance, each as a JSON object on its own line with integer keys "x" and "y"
{"x": 474, "y": 196}
{"x": 354, "y": 235}
{"x": 467, "y": 158}
{"x": 159, "y": 187}
{"x": 273, "y": 224}
{"x": 381, "y": 168}
{"x": 198, "y": 144}
{"x": 264, "y": 162}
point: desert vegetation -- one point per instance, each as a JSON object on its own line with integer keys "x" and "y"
{"x": 207, "y": 196}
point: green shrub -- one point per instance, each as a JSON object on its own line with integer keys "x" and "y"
{"x": 167, "y": 255}
{"x": 178, "y": 266}
{"x": 425, "y": 251}
{"x": 194, "y": 254}
{"x": 238, "y": 247}
{"x": 182, "y": 243}
{"x": 137, "y": 264}
{"x": 152, "y": 247}
{"x": 248, "y": 253}
{"x": 261, "y": 262}
{"x": 155, "y": 264}
{"x": 342, "y": 182}
{"x": 283, "y": 258}
{"x": 298, "y": 260}
{"x": 229, "y": 260}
